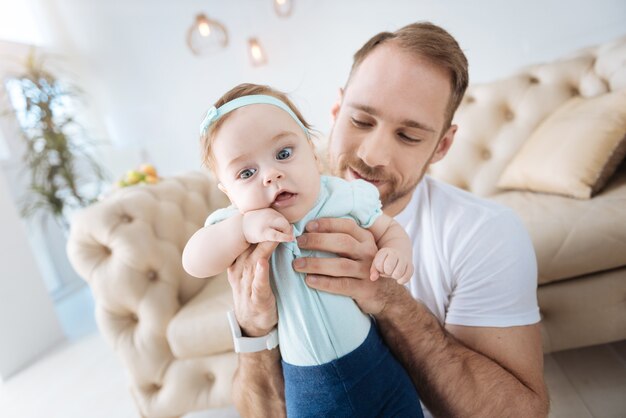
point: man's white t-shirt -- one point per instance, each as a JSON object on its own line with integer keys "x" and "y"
{"x": 474, "y": 262}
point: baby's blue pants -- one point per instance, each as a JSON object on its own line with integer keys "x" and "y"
{"x": 368, "y": 382}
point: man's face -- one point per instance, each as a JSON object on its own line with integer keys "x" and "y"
{"x": 389, "y": 122}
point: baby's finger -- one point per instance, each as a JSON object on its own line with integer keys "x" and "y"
{"x": 390, "y": 264}
{"x": 277, "y": 236}
{"x": 282, "y": 225}
{"x": 408, "y": 274}
{"x": 374, "y": 274}
{"x": 379, "y": 261}
{"x": 400, "y": 270}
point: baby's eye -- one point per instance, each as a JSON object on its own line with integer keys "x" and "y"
{"x": 284, "y": 153}
{"x": 247, "y": 173}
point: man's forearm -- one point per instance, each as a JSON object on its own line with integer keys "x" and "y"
{"x": 452, "y": 380}
{"x": 258, "y": 386}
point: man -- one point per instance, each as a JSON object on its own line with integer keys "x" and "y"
{"x": 466, "y": 329}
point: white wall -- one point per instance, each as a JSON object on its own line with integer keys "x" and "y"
{"x": 18, "y": 22}
{"x": 148, "y": 90}
{"x": 28, "y": 322}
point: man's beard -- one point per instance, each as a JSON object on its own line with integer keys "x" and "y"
{"x": 393, "y": 189}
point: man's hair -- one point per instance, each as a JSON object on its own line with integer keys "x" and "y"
{"x": 245, "y": 89}
{"x": 429, "y": 41}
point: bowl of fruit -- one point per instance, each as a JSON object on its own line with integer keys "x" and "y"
{"x": 145, "y": 174}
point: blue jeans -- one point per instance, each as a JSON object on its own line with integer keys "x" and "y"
{"x": 368, "y": 382}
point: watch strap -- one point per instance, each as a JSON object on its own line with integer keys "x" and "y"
{"x": 250, "y": 344}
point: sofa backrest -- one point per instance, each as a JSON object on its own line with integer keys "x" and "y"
{"x": 496, "y": 118}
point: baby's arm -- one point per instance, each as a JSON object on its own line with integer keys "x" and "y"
{"x": 214, "y": 248}
{"x": 394, "y": 257}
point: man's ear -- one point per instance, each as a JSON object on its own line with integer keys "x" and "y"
{"x": 334, "y": 110}
{"x": 444, "y": 144}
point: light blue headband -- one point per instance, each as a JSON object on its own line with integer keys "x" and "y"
{"x": 214, "y": 113}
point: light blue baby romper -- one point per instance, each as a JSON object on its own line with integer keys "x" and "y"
{"x": 334, "y": 361}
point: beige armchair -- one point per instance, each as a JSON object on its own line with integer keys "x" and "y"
{"x": 170, "y": 330}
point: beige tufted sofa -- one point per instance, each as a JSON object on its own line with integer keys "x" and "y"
{"x": 170, "y": 329}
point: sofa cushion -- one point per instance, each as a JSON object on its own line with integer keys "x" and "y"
{"x": 583, "y": 311}
{"x": 574, "y": 237}
{"x": 201, "y": 328}
{"x": 574, "y": 151}
{"x": 495, "y": 119}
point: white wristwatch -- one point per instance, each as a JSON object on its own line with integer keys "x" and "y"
{"x": 251, "y": 344}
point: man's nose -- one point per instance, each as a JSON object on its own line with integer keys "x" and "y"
{"x": 375, "y": 149}
{"x": 272, "y": 176}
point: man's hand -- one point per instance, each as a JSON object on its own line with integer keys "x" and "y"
{"x": 258, "y": 387}
{"x": 255, "y": 304}
{"x": 266, "y": 225}
{"x": 348, "y": 274}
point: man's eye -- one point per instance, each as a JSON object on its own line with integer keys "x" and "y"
{"x": 247, "y": 173}
{"x": 407, "y": 138}
{"x": 360, "y": 123}
{"x": 284, "y": 153}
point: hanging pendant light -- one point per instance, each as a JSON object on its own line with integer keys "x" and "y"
{"x": 283, "y": 7}
{"x": 206, "y": 36}
{"x": 256, "y": 53}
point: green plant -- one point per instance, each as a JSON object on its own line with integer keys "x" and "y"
{"x": 57, "y": 154}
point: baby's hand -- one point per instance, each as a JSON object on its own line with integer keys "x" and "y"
{"x": 389, "y": 262}
{"x": 266, "y": 225}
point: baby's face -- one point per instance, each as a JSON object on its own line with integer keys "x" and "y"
{"x": 263, "y": 159}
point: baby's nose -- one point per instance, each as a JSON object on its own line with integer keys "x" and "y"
{"x": 272, "y": 177}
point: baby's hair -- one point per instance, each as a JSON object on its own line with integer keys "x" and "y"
{"x": 245, "y": 89}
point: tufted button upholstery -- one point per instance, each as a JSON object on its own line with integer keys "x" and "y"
{"x": 500, "y": 115}
{"x": 128, "y": 247}
{"x": 153, "y": 275}
{"x": 508, "y": 114}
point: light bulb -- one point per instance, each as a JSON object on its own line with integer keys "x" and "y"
{"x": 282, "y": 7}
{"x": 256, "y": 52}
{"x": 206, "y": 36}
{"x": 204, "y": 29}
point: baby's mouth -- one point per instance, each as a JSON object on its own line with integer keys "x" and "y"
{"x": 284, "y": 199}
{"x": 283, "y": 196}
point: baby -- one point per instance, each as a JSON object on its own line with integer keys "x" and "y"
{"x": 334, "y": 361}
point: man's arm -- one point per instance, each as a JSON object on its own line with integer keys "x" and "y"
{"x": 258, "y": 386}
{"x": 458, "y": 371}
{"x": 466, "y": 371}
